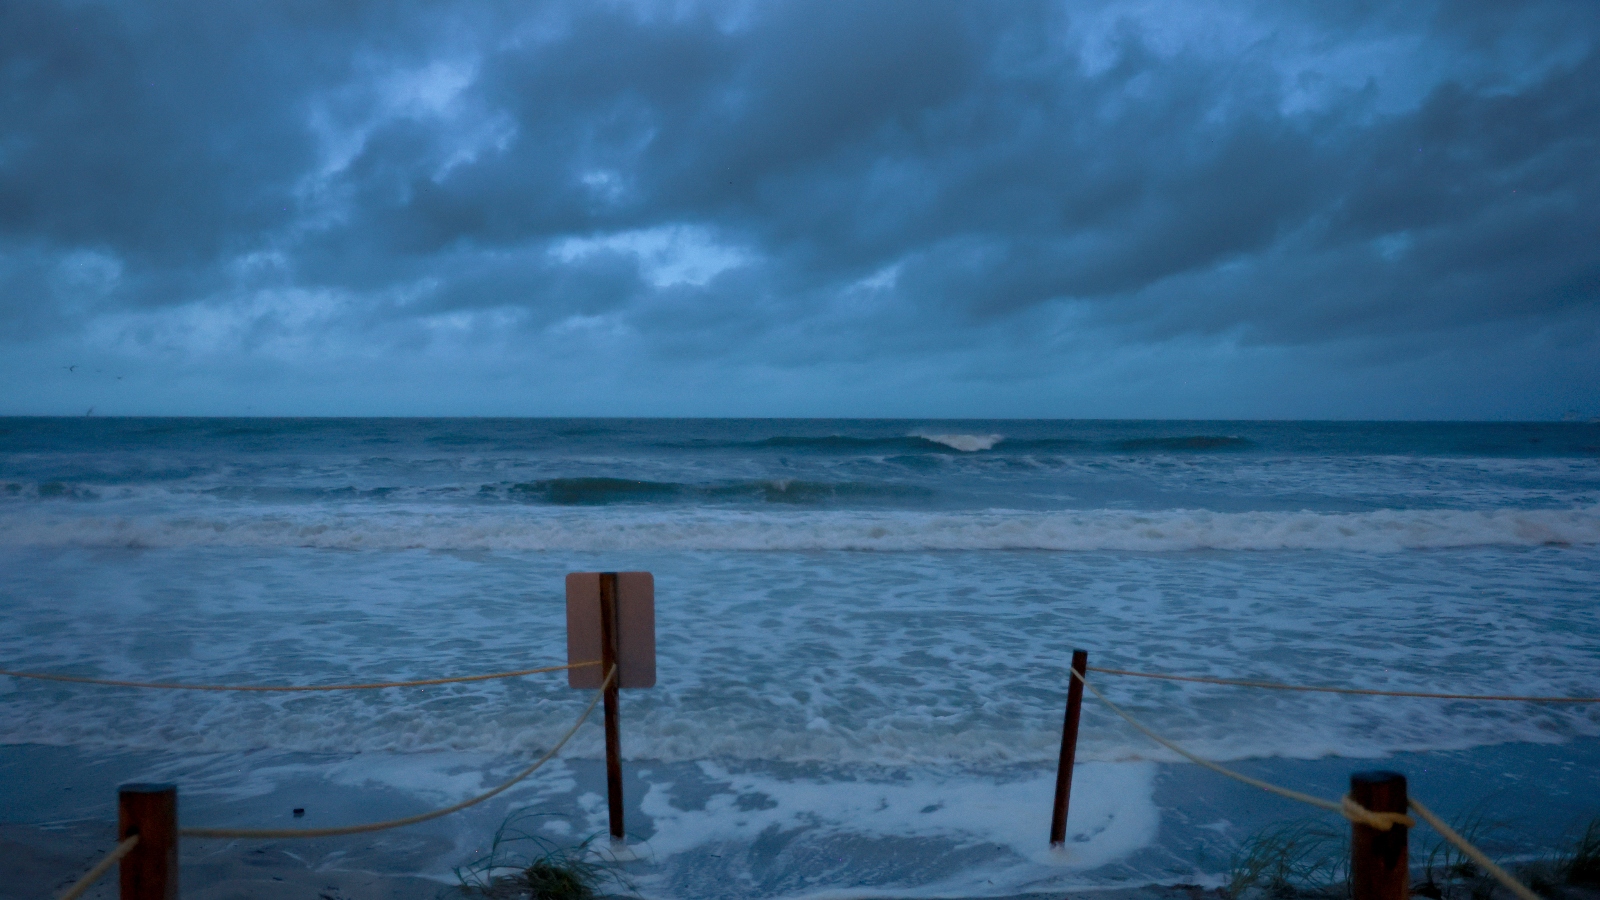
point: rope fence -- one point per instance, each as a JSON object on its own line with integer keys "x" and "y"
{"x": 1473, "y": 853}
{"x": 170, "y": 686}
{"x": 273, "y": 833}
{"x": 517, "y": 673}
{"x": 100, "y": 868}
{"x": 602, "y": 609}
{"x": 128, "y": 844}
{"x": 1338, "y": 690}
{"x": 1347, "y": 806}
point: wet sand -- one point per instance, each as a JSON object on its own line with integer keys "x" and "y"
{"x": 60, "y": 804}
{"x": 39, "y": 862}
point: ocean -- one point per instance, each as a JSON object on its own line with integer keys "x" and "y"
{"x": 863, "y": 631}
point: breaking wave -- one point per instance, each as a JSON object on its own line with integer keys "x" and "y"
{"x": 585, "y": 491}
{"x": 910, "y": 443}
{"x": 928, "y": 442}
{"x": 1188, "y": 443}
{"x": 966, "y": 443}
{"x": 600, "y": 491}
{"x": 556, "y": 528}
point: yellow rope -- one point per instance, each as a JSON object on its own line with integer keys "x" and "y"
{"x": 42, "y": 676}
{"x": 1377, "y": 821}
{"x": 408, "y": 820}
{"x": 93, "y": 875}
{"x": 1347, "y": 807}
{"x": 1473, "y": 853}
{"x": 1338, "y": 690}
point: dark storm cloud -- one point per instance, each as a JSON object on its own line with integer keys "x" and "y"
{"x": 746, "y": 178}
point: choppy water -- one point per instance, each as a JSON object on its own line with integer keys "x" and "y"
{"x": 840, "y": 603}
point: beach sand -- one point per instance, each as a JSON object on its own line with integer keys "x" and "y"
{"x": 60, "y": 806}
{"x": 38, "y": 863}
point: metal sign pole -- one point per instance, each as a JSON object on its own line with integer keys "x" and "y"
{"x": 608, "y": 659}
{"x": 1069, "y": 750}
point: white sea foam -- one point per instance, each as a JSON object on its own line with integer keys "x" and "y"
{"x": 711, "y": 529}
{"x": 718, "y": 831}
{"x": 1112, "y": 815}
{"x": 876, "y": 659}
{"x": 897, "y": 713}
{"x": 814, "y": 702}
{"x": 966, "y": 443}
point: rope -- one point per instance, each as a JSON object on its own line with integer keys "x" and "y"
{"x": 100, "y": 868}
{"x": 1377, "y": 821}
{"x": 1347, "y": 807}
{"x": 1338, "y": 690}
{"x": 42, "y": 676}
{"x": 408, "y": 820}
{"x": 1473, "y": 853}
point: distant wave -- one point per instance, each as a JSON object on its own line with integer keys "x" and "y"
{"x": 647, "y": 528}
{"x": 1056, "y": 445}
{"x": 49, "y": 490}
{"x": 597, "y": 491}
{"x": 591, "y": 491}
{"x": 966, "y": 443}
{"x": 578, "y": 491}
{"x": 926, "y": 442}
{"x": 838, "y": 443}
{"x": 916, "y": 442}
{"x": 1189, "y": 443}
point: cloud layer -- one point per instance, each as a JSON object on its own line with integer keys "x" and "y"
{"x": 901, "y": 208}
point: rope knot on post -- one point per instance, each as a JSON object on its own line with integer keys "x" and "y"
{"x": 1377, "y": 821}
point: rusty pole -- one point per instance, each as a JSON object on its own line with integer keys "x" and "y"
{"x": 150, "y": 870}
{"x": 608, "y": 659}
{"x": 1069, "y": 749}
{"x": 1379, "y": 868}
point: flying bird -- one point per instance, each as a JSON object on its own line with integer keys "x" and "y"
{"x": 71, "y": 368}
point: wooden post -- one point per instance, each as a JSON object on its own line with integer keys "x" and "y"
{"x": 150, "y": 870}
{"x": 1379, "y": 868}
{"x": 608, "y": 658}
{"x": 1069, "y": 749}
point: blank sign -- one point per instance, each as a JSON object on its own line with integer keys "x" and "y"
{"x": 636, "y": 629}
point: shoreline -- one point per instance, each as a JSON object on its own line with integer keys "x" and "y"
{"x": 39, "y": 862}
{"x": 60, "y": 802}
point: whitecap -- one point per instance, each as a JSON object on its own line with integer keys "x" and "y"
{"x": 966, "y": 443}
{"x": 1175, "y": 530}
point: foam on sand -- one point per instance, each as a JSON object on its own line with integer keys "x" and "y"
{"x": 1112, "y": 812}
{"x": 906, "y": 834}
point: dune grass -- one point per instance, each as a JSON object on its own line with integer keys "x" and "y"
{"x": 1581, "y": 865}
{"x": 1446, "y": 871}
{"x": 1302, "y": 858}
{"x": 1308, "y": 859}
{"x": 521, "y": 864}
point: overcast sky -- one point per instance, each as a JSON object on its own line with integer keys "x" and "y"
{"x": 816, "y": 208}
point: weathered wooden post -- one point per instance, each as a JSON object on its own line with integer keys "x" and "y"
{"x": 150, "y": 870}
{"x": 1379, "y": 864}
{"x": 608, "y": 659}
{"x": 1069, "y": 748}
